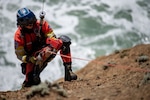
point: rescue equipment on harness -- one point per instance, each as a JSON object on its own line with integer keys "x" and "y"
{"x": 37, "y": 69}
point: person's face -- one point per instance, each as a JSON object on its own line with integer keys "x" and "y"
{"x": 29, "y": 26}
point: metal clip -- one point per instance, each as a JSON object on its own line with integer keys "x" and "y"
{"x": 42, "y": 14}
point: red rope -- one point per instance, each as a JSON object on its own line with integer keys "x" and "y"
{"x": 109, "y": 65}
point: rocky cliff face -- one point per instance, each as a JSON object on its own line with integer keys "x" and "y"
{"x": 123, "y": 75}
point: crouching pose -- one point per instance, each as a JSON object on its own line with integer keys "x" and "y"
{"x": 36, "y": 45}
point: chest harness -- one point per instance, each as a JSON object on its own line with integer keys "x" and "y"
{"x": 39, "y": 42}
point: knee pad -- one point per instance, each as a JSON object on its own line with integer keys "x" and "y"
{"x": 65, "y": 39}
{"x": 66, "y": 44}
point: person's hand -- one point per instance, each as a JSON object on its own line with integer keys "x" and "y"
{"x": 32, "y": 60}
{"x": 27, "y": 59}
{"x": 24, "y": 59}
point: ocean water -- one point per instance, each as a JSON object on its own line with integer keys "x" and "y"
{"x": 96, "y": 27}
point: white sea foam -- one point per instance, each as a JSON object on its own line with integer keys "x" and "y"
{"x": 139, "y": 15}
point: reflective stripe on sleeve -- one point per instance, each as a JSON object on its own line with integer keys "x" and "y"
{"x": 50, "y": 34}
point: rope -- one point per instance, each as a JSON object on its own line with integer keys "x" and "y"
{"x": 109, "y": 65}
{"x": 43, "y": 5}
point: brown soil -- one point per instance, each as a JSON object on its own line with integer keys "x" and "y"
{"x": 122, "y": 75}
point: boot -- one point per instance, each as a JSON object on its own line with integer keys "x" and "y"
{"x": 32, "y": 80}
{"x": 69, "y": 75}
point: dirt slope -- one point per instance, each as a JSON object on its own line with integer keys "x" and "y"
{"x": 123, "y": 75}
